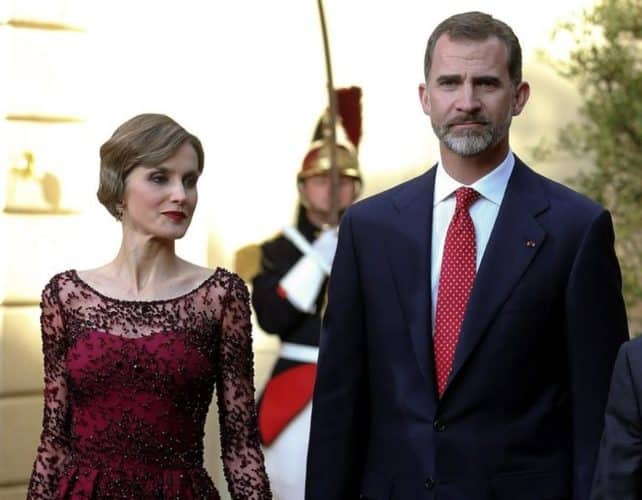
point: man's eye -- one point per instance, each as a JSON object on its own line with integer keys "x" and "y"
{"x": 488, "y": 84}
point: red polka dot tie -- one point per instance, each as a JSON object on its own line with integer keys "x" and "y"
{"x": 458, "y": 269}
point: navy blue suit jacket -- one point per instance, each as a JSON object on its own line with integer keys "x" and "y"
{"x": 521, "y": 417}
{"x": 618, "y": 475}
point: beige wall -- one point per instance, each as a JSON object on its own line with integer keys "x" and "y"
{"x": 20, "y": 388}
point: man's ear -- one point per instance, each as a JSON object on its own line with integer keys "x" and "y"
{"x": 424, "y": 97}
{"x": 522, "y": 93}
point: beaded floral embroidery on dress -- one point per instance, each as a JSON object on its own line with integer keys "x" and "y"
{"x": 127, "y": 389}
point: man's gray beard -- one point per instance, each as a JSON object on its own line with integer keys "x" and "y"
{"x": 472, "y": 142}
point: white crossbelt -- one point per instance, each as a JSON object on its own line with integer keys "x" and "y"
{"x": 299, "y": 241}
{"x": 299, "y": 352}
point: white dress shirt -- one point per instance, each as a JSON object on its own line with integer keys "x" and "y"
{"x": 483, "y": 212}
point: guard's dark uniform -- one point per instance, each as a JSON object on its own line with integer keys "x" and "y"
{"x": 276, "y": 315}
{"x": 284, "y": 286}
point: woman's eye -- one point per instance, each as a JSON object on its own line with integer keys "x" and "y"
{"x": 190, "y": 182}
{"x": 158, "y": 178}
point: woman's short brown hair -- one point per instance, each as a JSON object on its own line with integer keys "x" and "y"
{"x": 147, "y": 139}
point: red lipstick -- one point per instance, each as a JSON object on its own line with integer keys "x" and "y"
{"x": 175, "y": 215}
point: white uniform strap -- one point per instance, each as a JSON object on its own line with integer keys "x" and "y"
{"x": 299, "y": 241}
{"x": 299, "y": 352}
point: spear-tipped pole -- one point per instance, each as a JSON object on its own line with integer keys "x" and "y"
{"x": 332, "y": 121}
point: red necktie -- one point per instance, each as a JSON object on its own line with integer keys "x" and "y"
{"x": 458, "y": 269}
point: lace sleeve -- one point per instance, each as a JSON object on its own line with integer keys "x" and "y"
{"x": 54, "y": 440}
{"x": 241, "y": 452}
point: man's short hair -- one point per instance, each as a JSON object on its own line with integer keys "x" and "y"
{"x": 479, "y": 27}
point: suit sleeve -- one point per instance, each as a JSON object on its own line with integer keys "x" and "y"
{"x": 596, "y": 327}
{"x": 335, "y": 452}
{"x": 619, "y": 468}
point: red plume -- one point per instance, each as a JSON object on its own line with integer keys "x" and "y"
{"x": 349, "y": 109}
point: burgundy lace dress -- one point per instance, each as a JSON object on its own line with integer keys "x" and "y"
{"x": 127, "y": 388}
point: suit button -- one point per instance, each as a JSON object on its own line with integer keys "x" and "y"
{"x": 439, "y": 426}
{"x": 429, "y": 483}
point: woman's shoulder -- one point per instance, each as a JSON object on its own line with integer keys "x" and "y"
{"x": 228, "y": 276}
{"x": 228, "y": 287}
{"x": 60, "y": 281}
{"x": 57, "y": 290}
{"x": 227, "y": 281}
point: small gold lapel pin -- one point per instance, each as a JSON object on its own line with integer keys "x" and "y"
{"x": 530, "y": 243}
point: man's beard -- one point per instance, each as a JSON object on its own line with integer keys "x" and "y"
{"x": 470, "y": 142}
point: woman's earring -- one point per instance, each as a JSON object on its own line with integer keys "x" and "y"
{"x": 119, "y": 212}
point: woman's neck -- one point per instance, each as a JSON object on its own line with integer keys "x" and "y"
{"x": 145, "y": 264}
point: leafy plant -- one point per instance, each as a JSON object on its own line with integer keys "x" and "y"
{"x": 606, "y": 64}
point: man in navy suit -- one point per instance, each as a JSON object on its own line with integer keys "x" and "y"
{"x": 517, "y": 412}
{"x": 618, "y": 475}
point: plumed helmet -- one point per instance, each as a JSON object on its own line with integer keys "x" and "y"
{"x": 348, "y": 134}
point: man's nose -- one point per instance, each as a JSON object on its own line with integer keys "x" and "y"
{"x": 467, "y": 99}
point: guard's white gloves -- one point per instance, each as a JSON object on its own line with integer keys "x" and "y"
{"x": 326, "y": 246}
{"x": 303, "y": 282}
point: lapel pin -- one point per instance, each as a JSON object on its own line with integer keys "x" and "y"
{"x": 530, "y": 243}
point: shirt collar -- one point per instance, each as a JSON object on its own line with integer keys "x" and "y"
{"x": 492, "y": 186}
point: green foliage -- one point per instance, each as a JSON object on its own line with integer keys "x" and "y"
{"x": 606, "y": 63}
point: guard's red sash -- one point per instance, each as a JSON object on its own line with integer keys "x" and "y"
{"x": 285, "y": 395}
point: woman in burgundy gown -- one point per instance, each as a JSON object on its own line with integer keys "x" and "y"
{"x": 134, "y": 349}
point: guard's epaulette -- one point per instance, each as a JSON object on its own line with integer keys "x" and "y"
{"x": 248, "y": 259}
{"x": 247, "y": 262}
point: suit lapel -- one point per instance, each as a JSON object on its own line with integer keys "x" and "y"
{"x": 515, "y": 240}
{"x": 409, "y": 258}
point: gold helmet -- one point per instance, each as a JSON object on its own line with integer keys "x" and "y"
{"x": 348, "y": 134}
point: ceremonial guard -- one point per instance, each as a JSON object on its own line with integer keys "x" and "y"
{"x": 288, "y": 292}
